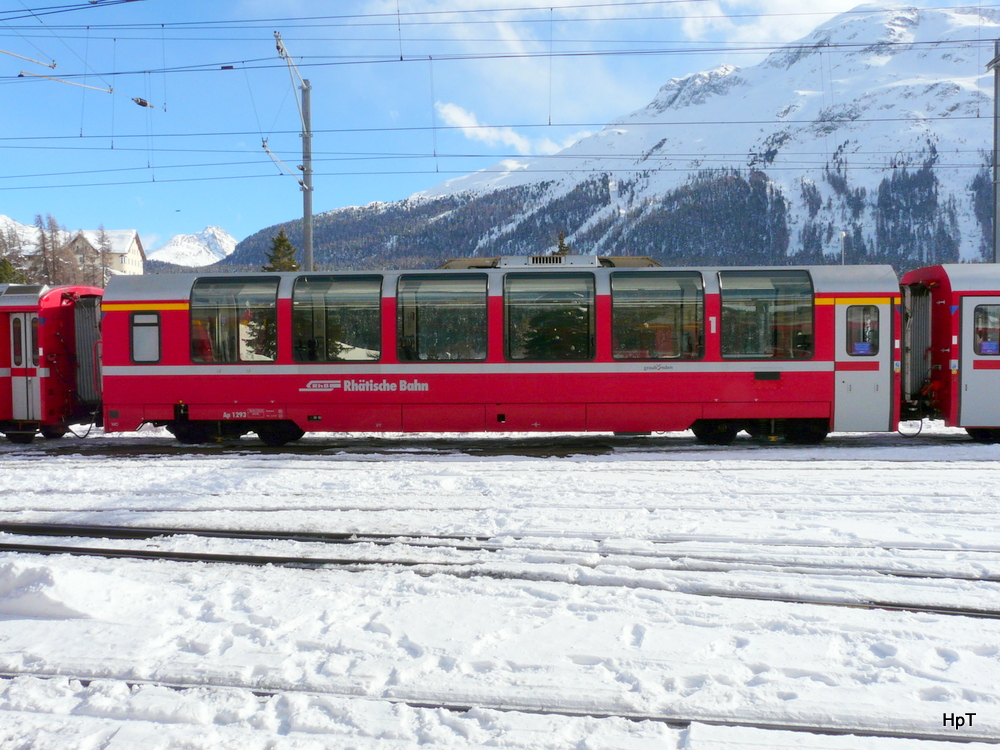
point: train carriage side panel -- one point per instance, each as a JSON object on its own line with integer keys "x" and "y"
{"x": 963, "y": 382}
{"x": 861, "y": 300}
{"x": 787, "y": 373}
{"x": 151, "y": 313}
{"x": 40, "y": 365}
{"x": 954, "y": 317}
{"x": 6, "y": 392}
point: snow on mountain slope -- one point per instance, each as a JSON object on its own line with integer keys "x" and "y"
{"x": 195, "y": 250}
{"x": 26, "y": 235}
{"x": 828, "y": 119}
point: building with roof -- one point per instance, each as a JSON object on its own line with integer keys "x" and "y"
{"x": 120, "y": 254}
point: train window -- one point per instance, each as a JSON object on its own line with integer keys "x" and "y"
{"x": 34, "y": 342}
{"x": 862, "y": 330}
{"x": 441, "y": 318}
{"x": 766, "y": 314}
{"x": 337, "y": 319}
{"x": 145, "y": 337}
{"x": 987, "y": 328}
{"x": 234, "y": 320}
{"x": 17, "y": 334}
{"x": 549, "y": 316}
{"x": 657, "y": 315}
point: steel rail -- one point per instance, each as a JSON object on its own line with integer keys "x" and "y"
{"x": 471, "y": 543}
{"x": 464, "y": 569}
{"x": 674, "y": 721}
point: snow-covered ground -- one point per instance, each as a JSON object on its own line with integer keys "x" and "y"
{"x": 631, "y": 577}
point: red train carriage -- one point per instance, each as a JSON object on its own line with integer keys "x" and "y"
{"x": 553, "y": 343}
{"x": 952, "y": 347}
{"x": 48, "y": 349}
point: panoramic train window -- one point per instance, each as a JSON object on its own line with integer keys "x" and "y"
{"x": 862, "y": 330}
{"x": 987, "y": 327}
{"x": 337, "y": 319}
{"x": 657, "y": 315}
{"x": 766, "y": 314}
{"x": 549, "y": 316}
{"x": 234, "y": 320}
{"x": 441, "y": 318}
{"x": 145, "y": 337}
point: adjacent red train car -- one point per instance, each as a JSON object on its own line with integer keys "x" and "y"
{"x": 952, "y": 347}
{"x": 548, "y": 343}
{"x": 48, "y": 365}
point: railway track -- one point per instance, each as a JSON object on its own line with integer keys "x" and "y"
{"x": 458, "y": 707}
{"x": 564, "y": 544}
{"x": 490, "y": 446}
{"x": 417, "y": 545}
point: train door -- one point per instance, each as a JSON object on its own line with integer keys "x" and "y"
{"x": 979, "y": 351}
{"x": 26, "y": 390}
{"x": 863, "y": 370}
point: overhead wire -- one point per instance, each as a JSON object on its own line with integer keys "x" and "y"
{"x": 435, "y": 126}
{"x": 316, "y": 61}
{"x": 390, "y": 19}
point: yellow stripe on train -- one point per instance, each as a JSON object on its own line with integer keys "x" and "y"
{"x": 132, "y": 306}
{"x": 857, "y": 300}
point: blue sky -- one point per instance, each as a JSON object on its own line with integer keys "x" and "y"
{"x": 406, "y": 94}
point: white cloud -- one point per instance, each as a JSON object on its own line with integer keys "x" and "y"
{"x": 456, "y": 117}
{"x": 758, "y": 21}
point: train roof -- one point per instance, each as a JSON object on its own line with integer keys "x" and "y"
{"x": 19, "y": 295}
{"x": 879, "y": 279}
{"x": 962, "y": 277}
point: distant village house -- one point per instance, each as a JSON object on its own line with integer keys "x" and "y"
{"x": 123, "y": 255}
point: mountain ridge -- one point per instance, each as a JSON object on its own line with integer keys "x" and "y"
{"x": 864, "y": 138}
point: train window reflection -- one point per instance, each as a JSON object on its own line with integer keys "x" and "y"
{"x": 657, "y": 315}
{"x": 549, "y": 316}
{"x": 18, "y": 342}
{"x": 766, "y": 314}
{"x": 34, "y": 341}
{"x": 862, "y": 330}
{"x": 441, "y": 318}
{"x": 987, "y": 330}
{"x": 234, "y": 320}
{"x": 146, "y": 337}
{"x": 337, "y": 319}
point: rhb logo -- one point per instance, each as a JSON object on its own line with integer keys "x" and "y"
{"x": 365, "y": 385}
{"x": 321, "y": 386}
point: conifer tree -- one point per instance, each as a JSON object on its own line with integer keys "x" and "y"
{"x": 12, "y": 263}
{"x": 9, "y": 274}
{"x": 281, "y": 256}
{"x": 562, "y": 248}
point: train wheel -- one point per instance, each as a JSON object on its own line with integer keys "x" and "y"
{"x": 806, "y": 431}
{"x": 278, "y": 433}
{"x": 983, "y": 434}
{"x": 191, "y": 433}
{"x": 715, "y": 431}
{"x": 52, "y": 432}
{"x": 22, "y": 438}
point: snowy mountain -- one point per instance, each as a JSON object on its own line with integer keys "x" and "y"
{"x": 195, "y": 250}
{"x": 21, "y": 234}
{"x": 870, "y": 136}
